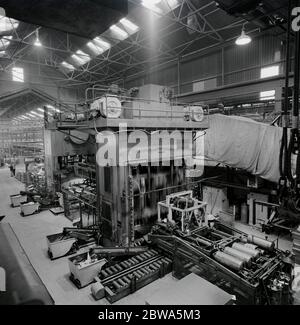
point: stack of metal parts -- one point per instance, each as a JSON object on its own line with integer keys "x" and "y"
{"x": 69, "y": 241}
{"x": 296, "y": 244}
{"x": 22, "y": 177}
{"x": 126, "y": 277}
{"x": 79, "y": 193}
{"x": 84, "y": 191}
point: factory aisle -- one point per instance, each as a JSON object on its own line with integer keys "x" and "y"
{"x": 32, "y": 231}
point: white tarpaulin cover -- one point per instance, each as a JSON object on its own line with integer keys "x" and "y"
{"x": 246, "y": 144}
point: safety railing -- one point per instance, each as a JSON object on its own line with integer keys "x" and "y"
{"x": 132, "y": 108}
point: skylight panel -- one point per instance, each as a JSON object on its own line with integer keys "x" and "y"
{"x": 100, "y": 42}
{"x": 172, "y": 3}
{"x": 81, "y": 57}
{"x": 77, "y": 59}
{"x": 68, "y": 65}
{"x": 54, "y": 109}
{"x": 152, "y": 5}
{"x": 94, "y": 48}
{"x": 8, "y": 24}
{"x": 119, "y": 31}
{"x": 43, "y": 111}
{"x": 31, "y": 115}
{"x": 129, "y": 25}
{"x": 37, "y": 114}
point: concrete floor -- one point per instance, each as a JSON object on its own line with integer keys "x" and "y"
{"x": 32, "y": 231}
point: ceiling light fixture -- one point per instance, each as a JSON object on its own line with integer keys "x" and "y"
{"x": 243, "y": 39}
{"x": 37, "y": 39}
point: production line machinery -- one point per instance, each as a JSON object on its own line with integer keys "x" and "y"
{"x": 246, "y": 266}
{"x": 128, "y": 276}
{"x": 116, "y": 278}
{"x": 86, "y": 266}
{"x": 118, "y": 271}
{"x": 249, "y": 267}
{"x": 86, "y": 234}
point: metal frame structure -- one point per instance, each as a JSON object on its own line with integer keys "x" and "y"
{"x": 187, "y": 213}
{"x": 121, "y": 213}
{"x": 125, "y": 55}
{"x": 139, "y": 55}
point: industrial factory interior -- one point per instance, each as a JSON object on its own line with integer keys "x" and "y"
{"x": 149, "y": 152}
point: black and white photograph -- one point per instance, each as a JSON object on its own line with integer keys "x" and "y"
{"x": 149, "y": 156}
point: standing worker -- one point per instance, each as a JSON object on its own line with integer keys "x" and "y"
{"x": 13, "y": 164}
{"x": 211, "y": 219}
{"x": 11, "y": 168}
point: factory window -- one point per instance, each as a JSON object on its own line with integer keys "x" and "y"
{"x": 269, "y": 71}
{"x": 18, "y": 74}
{"x": 267, "y": 95}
